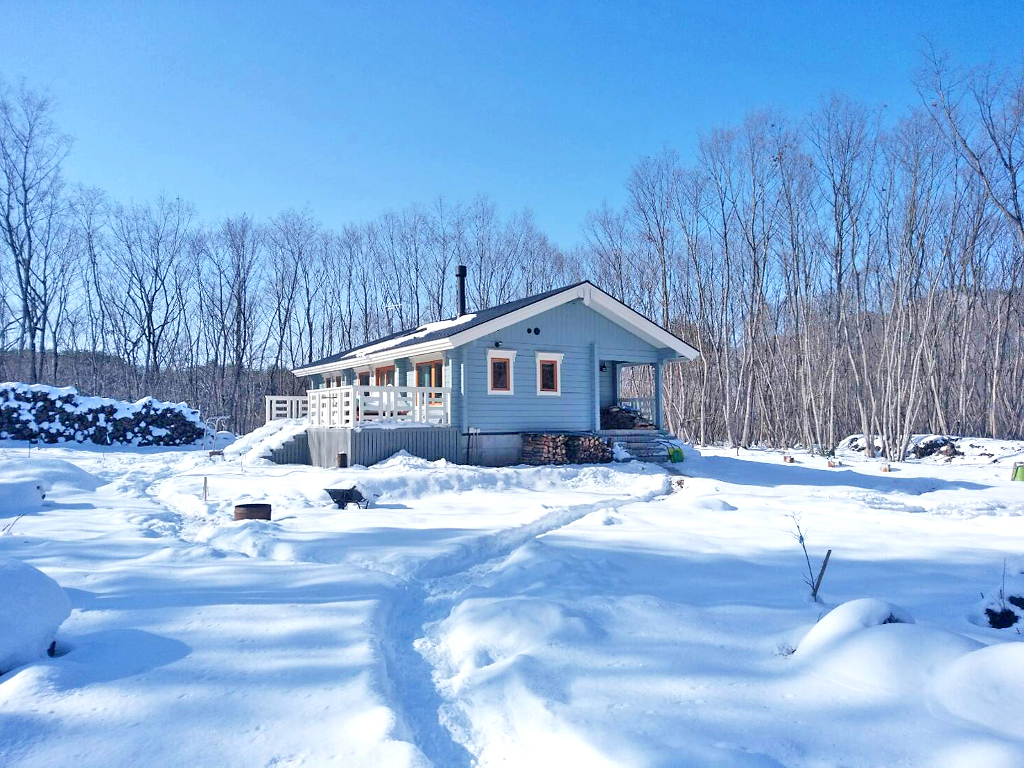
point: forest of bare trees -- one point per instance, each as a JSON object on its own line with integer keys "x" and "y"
{"x": 847, "y": 271}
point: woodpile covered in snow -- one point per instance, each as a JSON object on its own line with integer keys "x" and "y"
{"x": 60, "y": 414}
{"x": 565, "y": 449}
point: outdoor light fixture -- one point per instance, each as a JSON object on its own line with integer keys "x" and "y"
{"x": 497, "y": 343}
{"x": 603, "y": 367}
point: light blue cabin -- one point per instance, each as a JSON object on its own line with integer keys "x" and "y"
{"x": 467, "y": 388}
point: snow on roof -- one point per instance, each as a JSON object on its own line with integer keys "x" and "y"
{"x": 438, "y": 330}
{"x": 404, "y": 337}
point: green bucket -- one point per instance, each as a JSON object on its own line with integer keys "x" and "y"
{"x": 675, "y": 454}
{"x": 1018, "y": 471}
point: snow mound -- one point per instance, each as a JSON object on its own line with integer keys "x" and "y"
{"x": 59, "y": 474}
{"x": 620, "y": 454}
{"x": 892, "y": 658}
{"x": 847, "y": 619}
{"x": 259, "y": 444}
{"x": 872, "y": 645}
{"x": 714, "y": 505}
{"x": 986, "y": 687}
{"x": 408, "y": 477}
{"x": 482, "y": 632}
{"x": 32, "y": 607}
{"x": 22, "y": 497}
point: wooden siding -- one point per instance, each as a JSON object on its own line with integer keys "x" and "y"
{"x": 607, "y": 383}
{"x": 368, "y": 446}
{"x": 573, "y": 329}
{"x": 584, "y": 336}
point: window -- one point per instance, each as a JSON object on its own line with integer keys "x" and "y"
{"x": 385, "y": 376}
{"x": 429, "y": 374}
{"x": 549, "y": 373}
{"x": 364, "y": 378}
{"x": 501, "y": 371}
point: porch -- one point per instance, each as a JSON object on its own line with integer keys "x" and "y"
{"x": 346, "y": 407}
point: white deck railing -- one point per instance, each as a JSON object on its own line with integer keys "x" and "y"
{"x": 645, "y": 405}
{"x": 285, "y": 407}
{"x": 351, "y": 405}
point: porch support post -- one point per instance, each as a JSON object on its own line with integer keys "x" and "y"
{"x": 464, "y": 352}
{"x": 659, "y": 416}
{"x": 596, "y": 380}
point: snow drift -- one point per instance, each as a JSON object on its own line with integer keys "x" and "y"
{"x": 32, "y": 607}
{"x": 261, "y": 442}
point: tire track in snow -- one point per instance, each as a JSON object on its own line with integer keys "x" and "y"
{"x": 432, "y": 725}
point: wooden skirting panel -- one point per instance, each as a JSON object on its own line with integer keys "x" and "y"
{"x": 368, "y": 446}
{"x": 295, "y": 451}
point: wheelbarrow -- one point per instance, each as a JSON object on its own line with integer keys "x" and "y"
{"x": 345, "y": 496}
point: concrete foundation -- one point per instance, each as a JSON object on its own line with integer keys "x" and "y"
{"x": 491, "y": 450}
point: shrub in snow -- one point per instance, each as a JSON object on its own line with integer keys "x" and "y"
{"x": 1003, "y": 606}
{"x": 59, "y": 414}
{"x": 32, "y": 607}
{"x": 848, "y": 618}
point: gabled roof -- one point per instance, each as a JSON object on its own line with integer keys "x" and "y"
{"x": 447, "y": 334}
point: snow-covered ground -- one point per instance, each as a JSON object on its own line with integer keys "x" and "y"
{"x": 607, "y": 615}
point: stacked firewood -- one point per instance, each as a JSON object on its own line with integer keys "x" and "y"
{"x": 564, "y": 449}
{"x": 545, "y": 449}
{"x": 614, "y": 417}
{"x": 588, "y": 449}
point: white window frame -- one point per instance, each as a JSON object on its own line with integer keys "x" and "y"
{"x": 510, "y": 355}
{"x": 548, "y": 357}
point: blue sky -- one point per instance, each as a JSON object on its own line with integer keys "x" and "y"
{"x": 355, "y": 108}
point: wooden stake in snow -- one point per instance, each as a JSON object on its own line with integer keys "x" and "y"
{"x": 205, "y": 480}
{"x": 809, "y": 580}
{"x": 821, "y": 574}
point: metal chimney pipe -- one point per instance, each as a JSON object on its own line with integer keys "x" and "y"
{"x": 460, "y": 273}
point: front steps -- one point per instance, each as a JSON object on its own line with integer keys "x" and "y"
{"x": 642, "y": 444}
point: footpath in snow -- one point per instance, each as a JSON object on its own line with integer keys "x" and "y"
{"x": 606, "y": 615}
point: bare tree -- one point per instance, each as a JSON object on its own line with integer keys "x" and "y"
{"x": 32, "y": 208}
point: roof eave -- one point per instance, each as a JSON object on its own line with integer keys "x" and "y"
{"x": 591, "y": 295}
{"x": 381, "y": 356}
